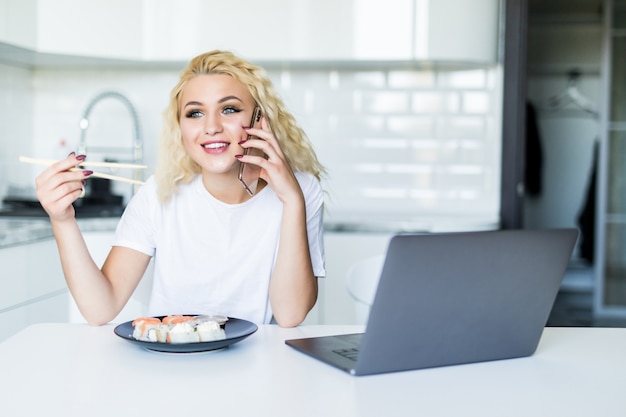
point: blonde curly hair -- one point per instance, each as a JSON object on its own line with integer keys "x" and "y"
{"x": 174, "y": 164}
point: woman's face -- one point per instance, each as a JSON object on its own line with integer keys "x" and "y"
{"x": 213, "y": 110}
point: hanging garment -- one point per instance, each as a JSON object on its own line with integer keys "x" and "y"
{"x": 534, "y": 154}
{"x": 587, "y": 215}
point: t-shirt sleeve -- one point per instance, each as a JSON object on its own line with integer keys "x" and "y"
{"x": 135, "y": 229}
{"x": 314, "y": 199}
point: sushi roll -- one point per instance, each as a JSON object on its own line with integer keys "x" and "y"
{"x": 149, "y": 329}
{"x": 209, "y": 331}
{"x": 183, "y": 332}
{"x": 180, "y": 328}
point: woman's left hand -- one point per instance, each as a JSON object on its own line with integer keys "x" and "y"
{"x": 274, "y": 169}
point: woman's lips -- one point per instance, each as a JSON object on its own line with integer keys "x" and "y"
{"x": 215, "y": 147}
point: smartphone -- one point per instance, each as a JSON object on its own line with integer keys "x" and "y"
{"x": 249, "y": 173}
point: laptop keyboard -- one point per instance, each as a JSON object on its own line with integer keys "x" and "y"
{"x": 350, "y": 353}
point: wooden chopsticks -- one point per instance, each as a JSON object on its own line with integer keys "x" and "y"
{"x": 48, "y": 162}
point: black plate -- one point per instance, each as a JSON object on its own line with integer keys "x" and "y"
{"x": 236, "y": 330}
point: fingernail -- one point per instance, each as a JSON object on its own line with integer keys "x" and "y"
{"x": 238, "y": 156}
{"x": 81, "y": 157}
{"x": 87, "y": 173}
{"x": 246, "y": 127}
{"x": 71, "y": 153}
{"x": 242, "y": 142}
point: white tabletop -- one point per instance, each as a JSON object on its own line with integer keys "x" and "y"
{"x": 79, "y": 370}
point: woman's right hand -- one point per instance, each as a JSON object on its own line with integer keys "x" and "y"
{"x": 58, "y": 187}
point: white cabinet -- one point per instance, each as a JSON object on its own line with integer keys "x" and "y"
{"x": 309, "y": 30}
{"x": 29, "y": 272}
{"x": 95, "y": 28}
{"x": 32, "y": 287}
{"x": 456, "y": 30}
{"x": 282, "y": 29}
{"x": 51, "y": 309}
{"x": 18, "y": 23}
{"x": 271, "y": 30}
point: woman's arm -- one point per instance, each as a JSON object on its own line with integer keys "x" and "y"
{"x": 293, "y": 286}
{"x": 100, "y": 295}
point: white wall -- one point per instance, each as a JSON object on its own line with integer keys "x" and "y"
{"x": 431, "y": 134}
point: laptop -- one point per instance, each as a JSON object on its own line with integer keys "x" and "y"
{"x": 454, "y": 298}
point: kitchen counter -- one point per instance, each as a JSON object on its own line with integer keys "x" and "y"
{"x": 23, "y": 230}
{"x": 405, "y": 224}
{"x": 18, "y": 229}
{"x": 80, "y": 370}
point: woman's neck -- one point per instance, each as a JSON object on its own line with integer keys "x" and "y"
{"x": 225, "y": 188}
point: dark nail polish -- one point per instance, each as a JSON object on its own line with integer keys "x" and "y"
{"x": 242, "y": 142}
{"x": 71, "y": 153}
{"x": 238, "y": 156}
{"x": 81, "y": 157}
{"x": 87, "y": 173}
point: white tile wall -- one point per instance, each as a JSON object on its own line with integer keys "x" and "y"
{"x": 16, "y": 122}
{"x": 407, "y": 143}
{"x": 410, "y": 144}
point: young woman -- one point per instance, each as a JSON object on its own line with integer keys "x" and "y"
{"x": 216, "y": 248}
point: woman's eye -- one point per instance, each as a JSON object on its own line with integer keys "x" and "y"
{"x": 194, "y": 114}
{"x": 230, "y": 110}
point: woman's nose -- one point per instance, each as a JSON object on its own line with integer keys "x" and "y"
{"x": 212, "y": 125}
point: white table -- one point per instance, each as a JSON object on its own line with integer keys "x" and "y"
{"x": 79, "y": 370}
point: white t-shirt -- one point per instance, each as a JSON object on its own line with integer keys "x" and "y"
{"x": 211, "y": 257}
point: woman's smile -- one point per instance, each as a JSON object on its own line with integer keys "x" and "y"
{"x": 215, "y": 147}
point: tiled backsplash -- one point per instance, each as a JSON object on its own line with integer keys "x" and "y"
{"x": 17, "y": 122}
{"x": 400, "y": 145}
{"x": 404, "y": 147}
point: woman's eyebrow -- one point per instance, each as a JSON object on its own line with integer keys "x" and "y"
{"x": 192, "y": 103}
{"x": 227, "y": 98}
{"x": 222, "y": 100}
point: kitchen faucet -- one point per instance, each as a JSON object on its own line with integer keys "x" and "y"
{"x": 135, "y": 151}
